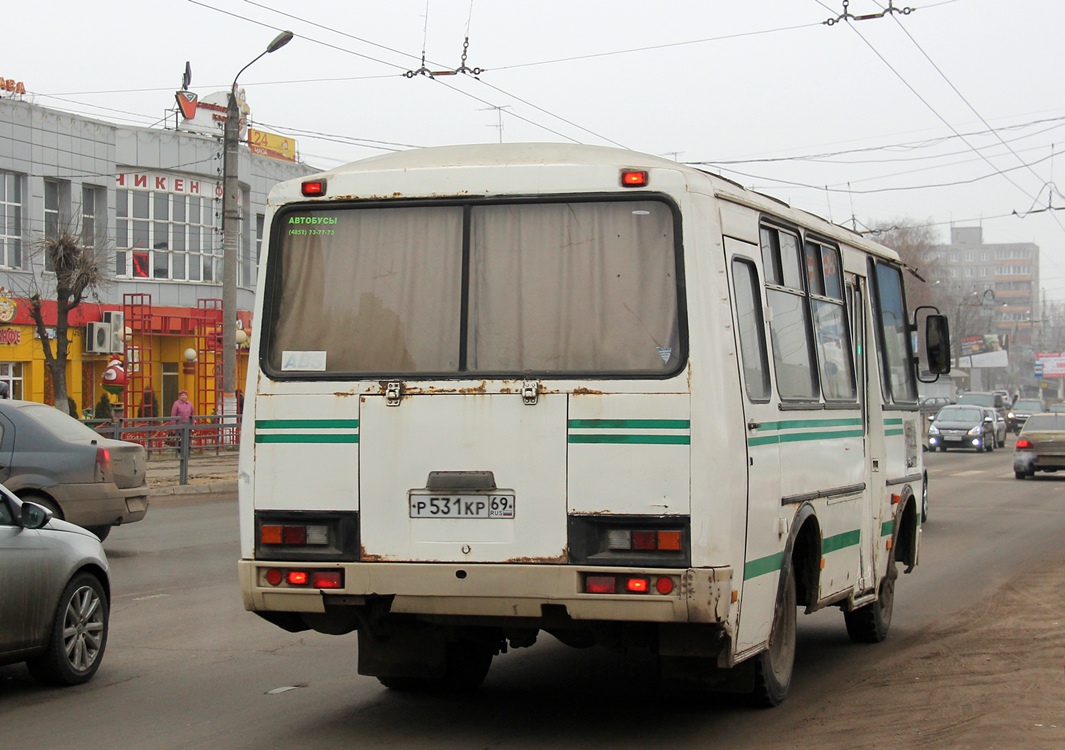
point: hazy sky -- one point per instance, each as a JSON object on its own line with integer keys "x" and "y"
{"x": 950, "y": 113}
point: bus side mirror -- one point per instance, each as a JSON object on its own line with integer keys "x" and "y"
{"x": 937, "y": 344}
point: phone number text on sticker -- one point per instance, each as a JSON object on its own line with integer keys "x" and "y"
{"x": 462, "y": 506}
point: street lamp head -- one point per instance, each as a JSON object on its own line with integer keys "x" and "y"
{"x": 279, "y": 41}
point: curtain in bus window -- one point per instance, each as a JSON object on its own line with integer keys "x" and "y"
{"x": 573, "y": 287}
{"x": 895, "y": 331}
{"x": 791, "y": 348}
{"x": 378, "y": 291}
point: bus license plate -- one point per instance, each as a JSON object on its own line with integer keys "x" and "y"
{"x": 462, "y": 506}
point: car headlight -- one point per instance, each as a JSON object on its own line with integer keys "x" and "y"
{"x": 933, "y": 430}
{"x": 976, "y": 431}
{"x": 1010, "y": 415}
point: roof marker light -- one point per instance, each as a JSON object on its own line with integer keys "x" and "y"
{"x": 313, "y": 188}
{"x": 633, "y": 178}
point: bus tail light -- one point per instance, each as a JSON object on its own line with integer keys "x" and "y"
{"x": 294, "y": 535}
{"x": 301, "y": 578}
{"x": 633, "y": 178}
{"x": 628, "y": 584}
{"x": 644, "y": 540}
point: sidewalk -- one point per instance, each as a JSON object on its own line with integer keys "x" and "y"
{"x": 207, "y": 475}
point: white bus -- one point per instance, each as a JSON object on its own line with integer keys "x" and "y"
{"x": 503, "y": 389}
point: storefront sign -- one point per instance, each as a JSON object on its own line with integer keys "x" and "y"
{"x": 271, "y": 145}
{"x": 11, "y": 86}
{"x": 10, "y": 336}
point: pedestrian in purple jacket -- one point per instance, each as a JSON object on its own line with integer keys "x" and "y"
{"x": 182, "y": 408}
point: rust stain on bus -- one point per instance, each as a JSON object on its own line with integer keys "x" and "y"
{"x": 586, "y": 392}
{"x": 561, "y": 558}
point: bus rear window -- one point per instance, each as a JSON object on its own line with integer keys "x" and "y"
{"x": 552, "y": 288}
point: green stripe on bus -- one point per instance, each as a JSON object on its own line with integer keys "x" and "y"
{"x": 630, "y": 424}
{"x": 763, "y": 565}
{"x": 312, "y": 437}
{"x": 894, "y": 420}
{"x": 803, "y": 424}
{"x": 840, "y": 541}
{"x": 306, "y": 424}
{"x": 887, "y": 528}
{"x": 631, "y": 439}
{"x": 804, "y": 436}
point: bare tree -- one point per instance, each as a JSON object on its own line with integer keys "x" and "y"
{"x": 916, "y": 244}
{"x": 71, "y": 271}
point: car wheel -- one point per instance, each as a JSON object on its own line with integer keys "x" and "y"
{"x": 1020, "y": 474}
{"x": 773, "y": 667}
{"x": 943, "y": 448}
{"x": 78, "y": 636}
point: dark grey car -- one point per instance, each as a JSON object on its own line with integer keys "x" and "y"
{"x": 54, "y": 594}
{"x": 961, "y": 426}
{"x": 53, "y": 460}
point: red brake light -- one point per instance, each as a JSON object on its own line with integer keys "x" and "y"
{"x": 601, "y": 584}
{"x": 633, "y": 178}
{"x": 638, "y": 585}
{"x": 328, "y": 579}
{"x": 297, "y": 577}
{"x": 274, "y": 577}
{"x": 664, "y": 585}
{"x": 103, "y": 463}
{"x": 1024, "y": 443}
{"x": 313, "y": 188}
{"x": 295, "y": 535}
{"x": 644, "y": 540}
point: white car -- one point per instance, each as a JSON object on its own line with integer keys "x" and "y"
{"x": 55, "y": 594}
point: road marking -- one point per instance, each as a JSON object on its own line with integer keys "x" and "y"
{"x": 967, "y": 473}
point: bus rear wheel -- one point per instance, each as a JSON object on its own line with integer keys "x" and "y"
{"x": 773, "y": 667}
{"x": 870, "y": 623}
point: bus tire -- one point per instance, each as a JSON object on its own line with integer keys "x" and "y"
{"x": 773, "y": 667}
{"x": 870, "y": 623}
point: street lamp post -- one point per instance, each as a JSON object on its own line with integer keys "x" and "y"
{"x": 230, "y": 233}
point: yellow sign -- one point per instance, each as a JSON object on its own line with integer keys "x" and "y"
{"x": 269, "y": 144}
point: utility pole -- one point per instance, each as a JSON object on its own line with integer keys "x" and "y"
{"x": 231, "y": 234}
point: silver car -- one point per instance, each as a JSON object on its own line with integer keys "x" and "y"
{"x": 55, "y": 594}
{"x": 51, "y": 459}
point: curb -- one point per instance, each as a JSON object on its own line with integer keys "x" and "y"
{"x": 205, "y": 488}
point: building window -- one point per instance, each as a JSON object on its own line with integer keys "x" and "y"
{"x": 165, "y": 229}
{"x": 11, "y": 374}
{"x": 10, "y": 220}
{"x": 51, "y": 208}
{"x": 93, "y": 216}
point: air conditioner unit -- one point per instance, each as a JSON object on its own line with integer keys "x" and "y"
{"x": 98, "y": 338}
{"x": 117, "y": 321}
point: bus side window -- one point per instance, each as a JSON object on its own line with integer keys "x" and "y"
{"x": 751, "y": 330}
{"x": 830, "y": 322}
{"x": 789, "y": 326}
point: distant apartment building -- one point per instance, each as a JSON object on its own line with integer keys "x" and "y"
{"x": 1010, "y": 270}
{"x": 152, "y": 198}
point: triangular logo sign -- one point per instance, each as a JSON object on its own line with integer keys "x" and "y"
{"x": 187, "y": 102}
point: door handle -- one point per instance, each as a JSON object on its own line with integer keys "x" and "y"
{"x": 752, "y": 425}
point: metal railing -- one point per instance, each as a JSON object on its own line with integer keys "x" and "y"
{"x": 166, "y": 437}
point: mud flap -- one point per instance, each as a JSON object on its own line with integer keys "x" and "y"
{"x": 407, "y": 652}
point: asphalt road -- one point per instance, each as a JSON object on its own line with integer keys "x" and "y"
{"x": 187, "y": 667}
